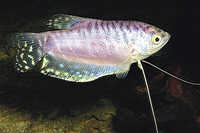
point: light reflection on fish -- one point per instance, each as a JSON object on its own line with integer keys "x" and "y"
{"x": 85, "y": 49}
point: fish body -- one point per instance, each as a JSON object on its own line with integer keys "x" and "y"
{"x": 85, "y": 49}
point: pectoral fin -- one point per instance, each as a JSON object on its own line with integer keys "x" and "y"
{"x": 124, "y": 67}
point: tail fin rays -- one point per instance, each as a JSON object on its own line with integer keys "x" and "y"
{"x": 28, "y": 50}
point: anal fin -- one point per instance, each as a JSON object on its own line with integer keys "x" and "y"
{"x": 74, "y": 71}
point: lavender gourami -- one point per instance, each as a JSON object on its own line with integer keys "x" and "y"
{"x": 85, "y": 49}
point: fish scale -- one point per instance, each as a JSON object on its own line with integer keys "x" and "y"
{"x": 84, "y": 49}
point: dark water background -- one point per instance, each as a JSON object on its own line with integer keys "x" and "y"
{"x": 180, "y": 18}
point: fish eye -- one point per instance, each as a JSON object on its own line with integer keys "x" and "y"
{"x": 156, "y": 39}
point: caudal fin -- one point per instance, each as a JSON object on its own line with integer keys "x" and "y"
{"x": 28, "y": 50}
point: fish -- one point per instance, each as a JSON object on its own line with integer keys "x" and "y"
{"x": 84, "y": 49}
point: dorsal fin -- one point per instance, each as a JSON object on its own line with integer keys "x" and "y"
{"x": 64, "y": 21}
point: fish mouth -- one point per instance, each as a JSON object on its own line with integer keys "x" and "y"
{"x": 166, "y": 38}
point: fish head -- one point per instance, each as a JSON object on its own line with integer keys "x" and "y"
{"x": 150, "y": 39}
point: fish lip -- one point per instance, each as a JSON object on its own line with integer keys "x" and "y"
{"x": 168, "y": 38}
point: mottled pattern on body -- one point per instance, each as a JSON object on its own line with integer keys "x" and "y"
{"x": 84, "y": 49}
